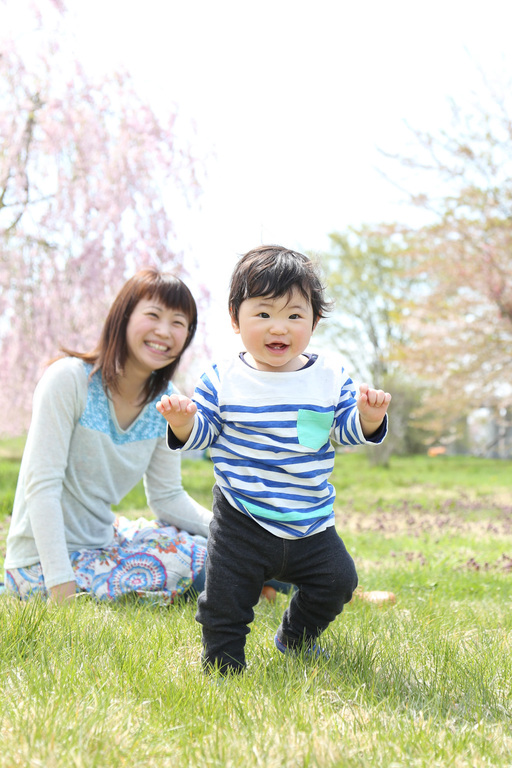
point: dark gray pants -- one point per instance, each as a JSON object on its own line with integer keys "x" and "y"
{"x": 241, "y": 557}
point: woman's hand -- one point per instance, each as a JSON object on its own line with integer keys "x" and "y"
{"x": 62, "y": 592}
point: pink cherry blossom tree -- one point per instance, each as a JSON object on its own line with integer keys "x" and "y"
{"x": 87, "y": 171}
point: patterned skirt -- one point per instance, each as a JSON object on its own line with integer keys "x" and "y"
{"x": 150, "y": 559}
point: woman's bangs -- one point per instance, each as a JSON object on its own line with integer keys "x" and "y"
{"x": 174, "y": 294}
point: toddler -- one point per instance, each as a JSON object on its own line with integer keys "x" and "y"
{"x": 268, "y": 417}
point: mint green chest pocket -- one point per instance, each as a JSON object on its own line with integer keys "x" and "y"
{"x": 313, "y": 428}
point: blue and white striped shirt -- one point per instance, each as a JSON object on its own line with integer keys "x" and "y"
{"x": 270, "y": 436}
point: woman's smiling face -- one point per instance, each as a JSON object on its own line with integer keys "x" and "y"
{"x": 155, "y": 335}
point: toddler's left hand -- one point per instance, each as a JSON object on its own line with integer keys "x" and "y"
{"x": 372, "y": 404}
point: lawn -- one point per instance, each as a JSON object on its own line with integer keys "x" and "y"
{"x": 422, "y": 681}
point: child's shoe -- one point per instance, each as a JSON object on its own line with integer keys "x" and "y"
{"x": 314, "y": 651}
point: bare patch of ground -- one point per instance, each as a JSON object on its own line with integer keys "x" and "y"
{"x": 485, "y": 516}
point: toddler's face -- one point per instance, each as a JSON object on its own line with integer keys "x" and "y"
{"x": 275, "y": 331}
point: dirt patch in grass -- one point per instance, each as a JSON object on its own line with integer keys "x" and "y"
{"x": 462, "y": 515}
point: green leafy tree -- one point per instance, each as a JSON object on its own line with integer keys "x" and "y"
{"x": 369, "y": 278}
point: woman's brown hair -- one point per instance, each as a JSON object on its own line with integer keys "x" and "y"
{"x": 111, "y": 352}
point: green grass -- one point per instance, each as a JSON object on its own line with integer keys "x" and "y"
{"x": 425, "y": 681}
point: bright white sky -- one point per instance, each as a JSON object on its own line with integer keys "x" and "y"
{"x": 292, "y": 100}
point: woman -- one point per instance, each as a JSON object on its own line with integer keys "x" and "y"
{"x": 94, "y": 434}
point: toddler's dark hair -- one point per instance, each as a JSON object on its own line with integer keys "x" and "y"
{"x": 274, "y": 271}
